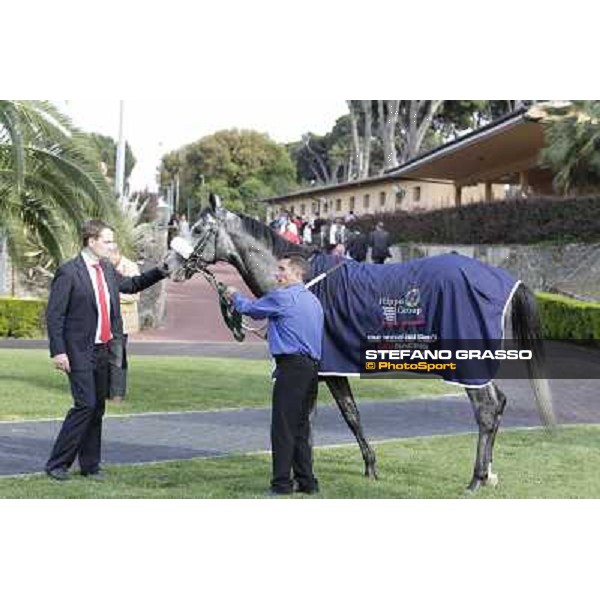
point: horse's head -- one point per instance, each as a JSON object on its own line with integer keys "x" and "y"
{"x": 210, "y": 239}
{"x": 252, "y": 247}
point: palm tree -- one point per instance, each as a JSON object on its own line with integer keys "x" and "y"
{"x": 573, "y": 146}
{"x": 50, "y": 181}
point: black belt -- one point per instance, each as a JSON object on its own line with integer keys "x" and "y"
{"x": 286, "y": 357}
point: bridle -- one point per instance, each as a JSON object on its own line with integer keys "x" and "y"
{"x": 195, "y": 264}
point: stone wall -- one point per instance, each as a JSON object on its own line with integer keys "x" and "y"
{"x": 152, "y": 246}
{"x": 571, "y": 269}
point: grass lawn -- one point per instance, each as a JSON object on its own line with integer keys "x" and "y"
{"x": 530, "y": 464}
{"x": 31, "y": 388}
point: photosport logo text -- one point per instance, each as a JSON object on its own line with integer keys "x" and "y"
{"x": 478, "y": 361}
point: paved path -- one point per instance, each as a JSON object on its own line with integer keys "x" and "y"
{"x": 24, "y": 446}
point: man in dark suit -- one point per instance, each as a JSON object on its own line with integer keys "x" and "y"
{"x": 83, "y": 316}
{"x": 380, "y": 244}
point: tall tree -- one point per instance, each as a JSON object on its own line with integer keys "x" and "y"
{"x": 240, "y": 165}
{"x": 416, "y": 119}
{"x": 50, "y": 181}
{"x": 324, "y": 159}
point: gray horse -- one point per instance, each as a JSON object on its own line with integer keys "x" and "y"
{"x": 253, "y": 249}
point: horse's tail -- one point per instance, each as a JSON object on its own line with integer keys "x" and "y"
{"x": 527, "y": 330}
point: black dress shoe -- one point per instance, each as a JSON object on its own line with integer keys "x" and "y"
{"x": 273, "y": 492}
{"x": 95, "y": 476}
{"x": 302, "y": 489}
{"x": 309, "y": 491}
{"x": 58, "y": 473}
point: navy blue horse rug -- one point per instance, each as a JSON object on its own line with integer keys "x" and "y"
{"x": 445, "y": 302}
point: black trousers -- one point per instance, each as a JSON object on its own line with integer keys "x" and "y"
{"x": 117, "y": 367}
{"x": 81, "y": 433}
{"x": 294, "y": 393}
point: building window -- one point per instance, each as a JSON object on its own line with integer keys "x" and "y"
{"x": 366, "y": 201}
{"x": 381, "y": 198}
{"x": 292, "y": 210}
{"x": 338, "y": 205}
{"x": 315, "y": 208}
{"x": 417, "y": 194}
{"x": 400, "y": 196}
{"x": 326, "y": 206}
{"x": 351, "y": 203}
{"x": 302, "y": 209}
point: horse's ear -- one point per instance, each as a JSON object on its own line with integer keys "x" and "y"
{"x": 214, "y": 201}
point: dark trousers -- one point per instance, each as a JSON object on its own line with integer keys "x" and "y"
{"x": 294, "y": 394}
{"x": 117, "y": 367}
{"x": 81, "y": 433}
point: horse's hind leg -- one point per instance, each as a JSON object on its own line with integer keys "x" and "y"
{"x": 340, "y": 389}
{"x": 488, "y": 405}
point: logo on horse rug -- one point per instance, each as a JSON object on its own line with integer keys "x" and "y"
{"x": 405, "y": 311}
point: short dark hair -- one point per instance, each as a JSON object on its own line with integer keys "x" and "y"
{"x": 297, "y": 261}
{"x": 92, "y": 229}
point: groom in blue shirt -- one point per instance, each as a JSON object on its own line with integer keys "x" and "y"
{"x": 295, "y": 332}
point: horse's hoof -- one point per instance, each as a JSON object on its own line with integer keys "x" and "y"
{"x": 492, "y": 480}
{"x": 371, "y": 473}
{"x": 473, "y": 486}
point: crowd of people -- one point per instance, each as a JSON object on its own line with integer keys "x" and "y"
{"x": 339, "y": 236}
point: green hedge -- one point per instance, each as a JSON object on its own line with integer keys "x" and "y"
{"x": 526, "y": 221}
{"x": 567, "y": 319}
{"x": 563, "y": 318}
{"x": 21, "y": 318}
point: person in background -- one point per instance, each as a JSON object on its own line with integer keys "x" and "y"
{"x": 350, "y": 218}
{"x": 184, "y": 228}
{"x": 291, "y": 233}
{"x": 380, "y": 244}
{"x": 172, "y": 228}
{"x": 295, "y": 333}
{"x": 131, "y": 324}
{"x": 307, "y": 231}
{"x": 358, "y": 246}
{"x": 337, "y": 232}
{"x": 338, "y": 251}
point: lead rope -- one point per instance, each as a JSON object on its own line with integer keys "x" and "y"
{"x": 234, "y": 320}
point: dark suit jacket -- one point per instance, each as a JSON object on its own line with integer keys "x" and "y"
{"x": 380, "y": 242}
{"x": 72, "y": 314}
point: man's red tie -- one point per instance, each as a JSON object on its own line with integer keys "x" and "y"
{"x": 105, "y": 334}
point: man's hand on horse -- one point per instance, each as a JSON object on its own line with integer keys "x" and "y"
{"x": 171, "y": 262}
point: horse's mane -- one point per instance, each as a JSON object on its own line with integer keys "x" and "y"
{"x": 274, "y": 242}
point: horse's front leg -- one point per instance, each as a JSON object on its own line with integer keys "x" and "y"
{"x": 488, "y": 405}
{"x": 341, "y": 391}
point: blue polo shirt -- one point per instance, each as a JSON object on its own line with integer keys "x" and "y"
{"x": 295, "y": 319}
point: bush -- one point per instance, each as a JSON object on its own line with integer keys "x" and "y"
{"x": 20, "y": 318}
{"x": 567, "y": 319}
{"x": 524, "y": 221}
